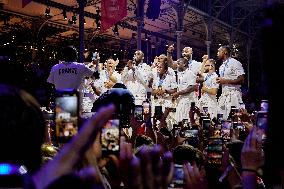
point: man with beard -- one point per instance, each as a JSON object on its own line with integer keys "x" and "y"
{"x": 231, "y": 77}
{"x": 193, "y": 65}
{"x": 136, "y": 77}
{"x": 209, "y": 89}
{"x": 185, "y": 90}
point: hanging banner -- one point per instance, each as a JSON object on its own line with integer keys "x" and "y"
{"x": 112, "y": 12}
{"x": 25, "y": 2}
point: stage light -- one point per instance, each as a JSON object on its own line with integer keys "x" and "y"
{"x": 115, "y": 30}
{"x": 47, "y": 11}
{"x": 64, "y": 14}
{"x": 74, "y": 18}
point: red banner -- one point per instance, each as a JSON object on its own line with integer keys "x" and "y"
{"x": 25, "y": 2}
{"x": 112, "y": 12}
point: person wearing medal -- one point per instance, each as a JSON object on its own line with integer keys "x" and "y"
{"x": 164, "y": 85}
{"x": 108, "y": 76}
{"x": 209, "y": 89}
{"x": 231, "y": 78}
{"x": 136, "y": 76}
{"x": 185, "y": 90}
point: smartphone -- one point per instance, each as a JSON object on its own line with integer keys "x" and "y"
{"x": 233, "y": 111}
{"x": 262, "y": 120}
{"x": 176, "y": 129}
{"x": 66, "y": 114}
{"x": 264, "y": 105}
{"x": 206, "y": 123}
{"x": 185, "y": 123}
{"x": 205, "y": 110}
{"x": 191, "y": 136}
{"x": 242, "y": 106}
{"x": 238, "y": 126}
{"x": 219, "y": 118}
{"x": 226, "y": 130}
{"x": 214, "y": 152}
{"x": 146, "y": 108}
{"x": 138, "y": 112}
{"x": 158, "y": 112}
{"x": 110, "y": 137}
{"x": 95, "y": 56}
{"x": 178, "y": 176}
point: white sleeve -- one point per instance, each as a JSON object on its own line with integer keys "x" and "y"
{"x": 214, "y": 83}
{"x": 239, "y": 70}
{"x": 118, "y": 77}
{"x": 126, "y": 75}
{"x": 190, "y": 77}
{"x": 143, "y": 75}
{"x": 50, "y": 78}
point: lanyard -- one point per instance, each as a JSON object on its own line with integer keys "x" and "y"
{"x": 222, "y": 72}
{"x": 208, "y": 76}
{"x": 190, "y": 64}
{"x": 161, "y": 80}
{"x": 107, "y": 77}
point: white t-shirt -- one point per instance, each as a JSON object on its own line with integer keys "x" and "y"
{"x": 186, "y": 79}
{"x": 194, "y": 66}
{"x": 231, "y": 69}
{"x": 104, "y": 77}
{"x": 68, "y": 75}
{"x": 167, "y": 83}
{"x": 137, "y": 81}
{"x": 210, "y": 82}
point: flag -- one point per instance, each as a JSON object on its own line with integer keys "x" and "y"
{"x": 25, "y": 2}
{"x": 112, "y": 12}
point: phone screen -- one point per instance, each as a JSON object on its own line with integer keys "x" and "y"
{"x": 178, "y": 176}
{"x": 138, "y": 112}
{"x": 205, "y": 110}
{"x": 158, "y": 112}
{"x": 146, "y": 108}
{"x": 191, "y": 136}
{"x": 191, "y": 133}
{"x": 206, "y": 123}
{"x": 219, "y": 117}
{"x": 261, "y": 121}
{"x": 66, "y": 115}
{"x": 215, "y": 151}
{"x": 110, "y": 137}
{"x": 226, "y": 130}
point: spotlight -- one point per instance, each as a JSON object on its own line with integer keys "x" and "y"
{"x": 64, "y": 14}
{"x": 47, "y": 11}
{"x": 74, "y": 19}
{"x": 115, "y": 29}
